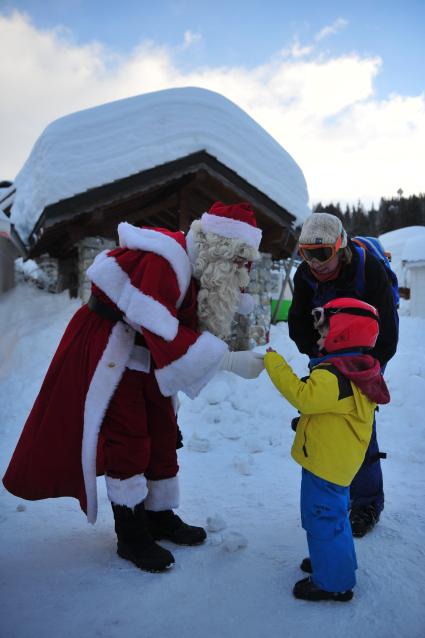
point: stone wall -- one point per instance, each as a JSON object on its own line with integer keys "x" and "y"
{"x": 88, "y": 248}
{"x": 253, "y": 329}
{"x": 49, "y": 273}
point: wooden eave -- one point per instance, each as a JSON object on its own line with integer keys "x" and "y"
{"x": 170, "y": 195}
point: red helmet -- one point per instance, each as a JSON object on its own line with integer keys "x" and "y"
{"x": 352, "y": 324}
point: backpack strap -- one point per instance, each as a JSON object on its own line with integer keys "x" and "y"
{"x": 358, "y": 241}
{"x": 360, "y": 270}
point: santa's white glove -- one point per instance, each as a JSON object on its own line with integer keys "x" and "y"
{"x": 246, "y": 364}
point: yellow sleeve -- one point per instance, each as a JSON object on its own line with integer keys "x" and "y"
{"x": 318, "y": 394}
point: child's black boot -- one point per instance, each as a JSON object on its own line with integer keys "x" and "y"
{"x": 306, "y": 565}
{"x": 307, "y": 590}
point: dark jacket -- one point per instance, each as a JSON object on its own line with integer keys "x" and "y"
{"x": 377, "y": 292}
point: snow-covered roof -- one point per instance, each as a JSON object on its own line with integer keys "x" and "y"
{"x": 109, "y": 142}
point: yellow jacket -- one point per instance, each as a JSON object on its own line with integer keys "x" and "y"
{"x": 335, "y": 426}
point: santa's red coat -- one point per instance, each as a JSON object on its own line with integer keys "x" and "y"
{"x": 149, "y": 279}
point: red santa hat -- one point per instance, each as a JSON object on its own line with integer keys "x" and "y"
{"x": 235, "y": 221}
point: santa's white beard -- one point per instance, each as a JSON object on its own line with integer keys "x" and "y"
{"x": 219, "y": 295}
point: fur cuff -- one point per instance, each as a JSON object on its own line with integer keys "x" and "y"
{"x": 194, "y": 369}
{"x": 163, "y": 495}
{"x": 129, "y": 492}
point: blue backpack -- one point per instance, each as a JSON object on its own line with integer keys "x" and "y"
{"x": 374, "y": 246}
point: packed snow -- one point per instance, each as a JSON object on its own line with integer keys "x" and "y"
{"x": 61, "y": 576}
{"x": 112, "y": 141}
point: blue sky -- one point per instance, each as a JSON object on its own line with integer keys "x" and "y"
{"x": 248, "y": 32}
{"x": 339, "y": 84}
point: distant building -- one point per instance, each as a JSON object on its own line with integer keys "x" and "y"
{"x": 9, "y": 250}
{"x": 407, "y": 247}
{"x": 413, "y": 259}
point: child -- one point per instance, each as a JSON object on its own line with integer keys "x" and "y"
{"x": 337, "y": 403}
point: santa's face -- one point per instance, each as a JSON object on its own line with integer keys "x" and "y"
{"x": 220, "y": 264}
{"x": 241, "y": 262}
{"x": 219, "y": 295}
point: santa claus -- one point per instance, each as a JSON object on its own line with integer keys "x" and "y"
{"x": 161, "y": 306}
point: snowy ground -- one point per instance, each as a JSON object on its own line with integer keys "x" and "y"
{"x": 60, "y": 576}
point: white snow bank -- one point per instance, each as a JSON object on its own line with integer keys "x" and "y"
{"x": 112, "y": 141}
{"x": 60, "y": 576}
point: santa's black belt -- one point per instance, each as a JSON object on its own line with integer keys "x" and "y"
{"x": 107, "y": 312}
{"x": 104, "y": 310}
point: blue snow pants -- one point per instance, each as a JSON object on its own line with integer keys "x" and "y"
{"x": 367, "y": 487}
{"x": 324, "y": 516}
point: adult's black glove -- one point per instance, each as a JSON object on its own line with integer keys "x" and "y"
{"x": 294, "y": 423}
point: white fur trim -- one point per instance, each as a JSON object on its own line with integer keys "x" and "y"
{"x": 106, "y": 377}
{"x": 156, "y": 242}
{"x": 194, "y": 369}
{"x": 232, "y": 228}
{"x": 246, "y": 304}
{"x": 163, "y": 495}
{"x": 129, "y": 492}
{"x": 140, "y": 309}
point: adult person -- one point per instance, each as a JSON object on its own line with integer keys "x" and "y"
{"x": 161, "y": 306}
{"x": 333, "y": 267}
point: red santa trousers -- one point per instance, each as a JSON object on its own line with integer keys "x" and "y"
{"x": 140, "y": 430}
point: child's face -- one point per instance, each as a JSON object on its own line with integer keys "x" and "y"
{"x": 323, "y": 331}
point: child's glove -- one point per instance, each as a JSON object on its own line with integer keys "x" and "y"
{"x": 246, "y": 364}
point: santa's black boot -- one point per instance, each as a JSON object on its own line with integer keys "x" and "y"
{"x": 135, "y": 542}
{"x": 168, "y": 526}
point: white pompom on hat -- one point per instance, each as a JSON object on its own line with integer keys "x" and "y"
{"x": 322, "y": 228}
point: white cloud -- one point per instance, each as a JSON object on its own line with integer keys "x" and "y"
{"x": 338, "y": 25}
{"x": 349, "y": 144}
{"x": 296, "y": 50}
{"x": 190, "y": 38}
